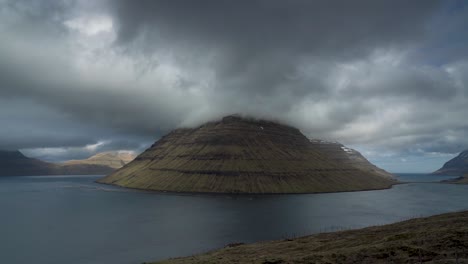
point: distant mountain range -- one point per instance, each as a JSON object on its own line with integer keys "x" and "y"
{"x": 113, "y": 159}
{"x": 14, "y": 163}
{"x": 243, "y": 155}
{"x": 457, "y": 166}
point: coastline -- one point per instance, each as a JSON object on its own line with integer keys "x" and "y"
{"x": 435, "y": 239}
{"x": 245, "y": 193}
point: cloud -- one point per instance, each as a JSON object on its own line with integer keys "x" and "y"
{"x": 377, "y": 75}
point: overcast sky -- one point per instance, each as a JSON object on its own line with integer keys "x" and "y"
{"x": 389, "y": 78}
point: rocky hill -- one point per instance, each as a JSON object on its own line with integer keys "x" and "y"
{"x": 239, "y": 155}
{"x": 455, "y": 166}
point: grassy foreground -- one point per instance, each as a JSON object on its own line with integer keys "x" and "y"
{"x": 436, "y": 239}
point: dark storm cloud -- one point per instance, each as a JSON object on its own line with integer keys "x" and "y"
{"x": 260, "y": 45}
{"x": 388, "y": 75}
{"x": 256, "y": 27}
{"x": 27, "y": 125}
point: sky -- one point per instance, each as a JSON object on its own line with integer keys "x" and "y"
{"x": 388, "y": 78}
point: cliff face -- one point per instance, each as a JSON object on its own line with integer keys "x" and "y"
{"x": 237, "y": 155}
{"x": 455, "y": 166}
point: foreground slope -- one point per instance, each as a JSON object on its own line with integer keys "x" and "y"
{"x": 435, "y": 239}
{"x": 238, "y": 155}
{"x": 455, "y": 166}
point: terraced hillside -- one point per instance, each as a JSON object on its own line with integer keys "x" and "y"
{"x": 238, "y": 155}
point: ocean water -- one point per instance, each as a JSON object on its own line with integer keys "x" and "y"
{"x": 71, "y": 219}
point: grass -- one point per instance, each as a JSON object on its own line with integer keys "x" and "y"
{"x": 436, "y": 239}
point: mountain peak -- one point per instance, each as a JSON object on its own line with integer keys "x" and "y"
{"x": 243, "y": 155}
{"x": 11, "y": 155}
{"x": 456, "y": 166}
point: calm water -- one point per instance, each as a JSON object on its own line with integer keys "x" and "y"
{"x": 55, "y": 219}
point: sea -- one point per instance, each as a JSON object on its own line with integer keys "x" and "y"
{"x": 72, "y": 219}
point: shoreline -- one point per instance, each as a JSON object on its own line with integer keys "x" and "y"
{"x": 441, "y": 238}
{"x": 244, "y": 194}
{"x": 269, "y": 194}
{"x": 397, "y": 182}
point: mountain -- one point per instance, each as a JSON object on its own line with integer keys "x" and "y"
{"x": 241, "y": 155}
{"x": 83, "y": 169}
{"x": 455, "y": 166}
{"x": 14, "y": 163}
{"x": 343, "y": 154}
{"x": 113, "y": 159}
